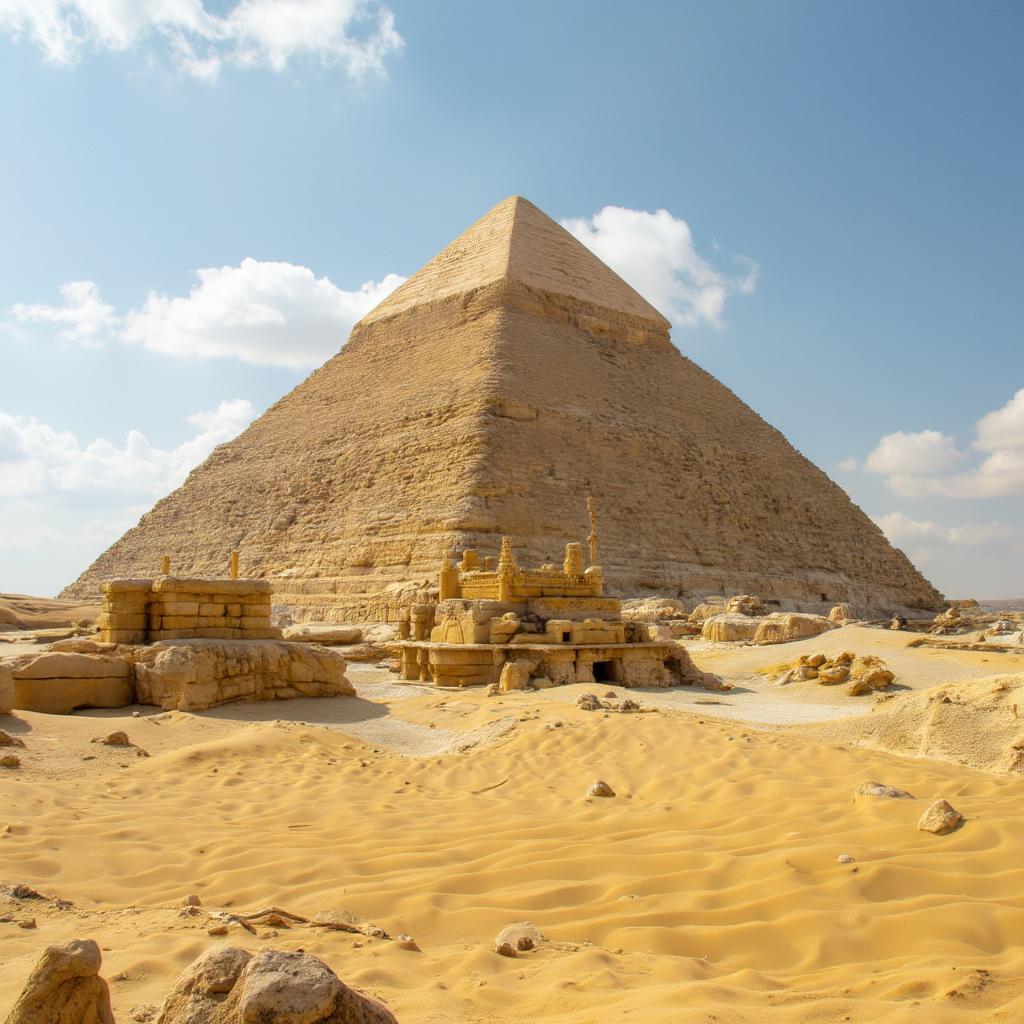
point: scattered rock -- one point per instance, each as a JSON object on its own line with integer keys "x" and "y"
{"x": 408, "y": 942}
{"x": 859, "y": 687}
{"x": 7, "y": 740}
{"x": 518, "y": 938}
{"x": 844, "y": 858}
{"x": 879, "y": 790}
{"x": 600, "y": 788}
{"x": 114, "y": 739}
{"x": 143, "y": 1013}
{"x": 217, "y": 929}
{"x": 65, "y": 988}
{"x": 228, "y": 986}
{"x": 21, "y": 891}
{"x": 191, "y": 900}
{"x": 833, "y": 676}
{"x": 28, "y": 923}
{"x": 589, "y": 702}
{"x": 10, "y": 761}
{"x": 940, "y": 819}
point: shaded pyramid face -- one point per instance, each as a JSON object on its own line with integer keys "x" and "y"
{"x": 511, "y": 377}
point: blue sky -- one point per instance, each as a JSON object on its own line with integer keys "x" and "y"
{"x": 841, "y": 243}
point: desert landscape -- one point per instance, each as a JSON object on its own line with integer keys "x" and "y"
{"x": 511, "y": 515}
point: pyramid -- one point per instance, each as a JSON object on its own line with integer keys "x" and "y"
{"x": 511, "y": 377}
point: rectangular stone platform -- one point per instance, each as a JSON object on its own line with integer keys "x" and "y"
{"x": 632, "y": 664}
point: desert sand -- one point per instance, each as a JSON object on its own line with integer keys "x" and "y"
{"x": 708, "y": 889}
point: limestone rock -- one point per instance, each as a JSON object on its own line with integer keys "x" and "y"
{"x": 880, "y": 791}
{"x": 516, "y": 674}
{"x": 192, "y": 675}
{"x": 940, "y": 818}
{"x": 780, "y": 627}
{"x": 58, "y": 682}
{"x": 729, "y": 626}
{"x": 7, "y": 740}
{"x": 228, "y": 986}
{"x": 518, "y": 938}
{"x": 6, "y": 689}
{"x": 745, "y": 604}
{"x": 65, "y": 988}
{"x": 589, "y": 702}
{"x": 600, "y": 788}
{"x": 840, "y": 613}
{"x": 393, "y": 452}
{"x": 707, "y": 608}
{"x": 834, "y": 675}
{"x": 324, "y": 633}
{"x": 653, "y": 609}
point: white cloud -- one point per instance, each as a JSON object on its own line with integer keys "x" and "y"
{"x": 850, "y": 465}
{"x": 356, "y": 35}
{"x": 261, "y": 312}
{"x": 900, "y": 528}
{"x": 271, "y": 314}
{"x": 654, "y": 252}
{"x": 921, "y": 464}
{"x": 36, "y": 459}
{"x": 922, "y": 453}
{"x": 85, "y": 315}
{"x": 1004, "y": 428}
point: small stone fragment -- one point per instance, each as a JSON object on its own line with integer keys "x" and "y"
{"x": 408, "y": 942}
{"x": 10, "y": 761}
{"x": 940, "y": 819}
{"x": 600, "y": 788}
{"x": 114, "y": 739}
{"x": 844, "y": 858}
{"x": 29, "y": 922}
{"x": 518, "y": 938}
{"x": 881, "y": 791}
{"x": 192, "y": 900}
{"x": 589, "y": 702}
{"x": 7, "y": 740}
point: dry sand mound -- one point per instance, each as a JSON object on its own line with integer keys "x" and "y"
{"x": 979, "y": 724}
{"x": 19, "y": 611}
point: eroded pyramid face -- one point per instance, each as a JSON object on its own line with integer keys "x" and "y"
{"x": 511, "y": 377}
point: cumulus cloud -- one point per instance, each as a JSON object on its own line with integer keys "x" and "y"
{"x": 922, "y": 464}
{"x": 1002, "y": 429}
{"x": 82, "y": 313}
{"x": 271, "y": 314}
{"x": 655, "y": 253}
{"x": 900, "y": 454}
{"x": 262, "y": 312}
{"x": 356, "y": 35}
{"x": 900, "y": 528}
{"x": 850, "y": 465}
{"x": 37, "y": 460}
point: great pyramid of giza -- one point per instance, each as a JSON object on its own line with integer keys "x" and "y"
{"x": 490, "y": 394}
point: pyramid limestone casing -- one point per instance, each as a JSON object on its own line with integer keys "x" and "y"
{"x": 511, "y": 377}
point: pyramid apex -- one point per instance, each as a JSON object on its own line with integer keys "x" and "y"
{"x": 516, "y": 240}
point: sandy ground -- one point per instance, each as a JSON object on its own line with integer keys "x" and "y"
{"x": 25, "y": 612}
{"x": 707, "y": 890}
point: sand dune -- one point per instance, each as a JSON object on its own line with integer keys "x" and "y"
{"x": 707, "y": 889}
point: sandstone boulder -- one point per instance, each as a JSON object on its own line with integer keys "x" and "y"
{"x": 729, "y": 627}
{"x": 833, "y": 675}
{"x": 6, "y": 690}
{"x": 746, "y": 604}
{"x": 192, "y": 675}
{"x": 780, "y": 627}
{"x": 880, "y": 791}
{"x": 228, "y": 986}
{"x": 516, "y": 674}
{"x": 840, "y": 613}
{"x": 324, "y": 633}
{"x": 940, "y": 818}
{"x": 653, "y": 609}
{"x": 65, "y": 988}
{"x": 58, "y": 682}
{"x": 709, "y": 606}
{"x": 518, "y": 938}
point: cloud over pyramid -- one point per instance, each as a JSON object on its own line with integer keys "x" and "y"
{"x": 511, "y": 377}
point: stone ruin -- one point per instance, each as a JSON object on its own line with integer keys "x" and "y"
{"x": 506, "y": 625}
{"x": 179, "y": 644}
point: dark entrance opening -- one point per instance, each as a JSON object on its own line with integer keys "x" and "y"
{"x": 607, "y": 671}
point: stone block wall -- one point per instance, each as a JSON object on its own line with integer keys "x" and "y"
{"x": 141, "y": 611}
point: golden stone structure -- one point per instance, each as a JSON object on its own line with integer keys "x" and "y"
{"x": 508, "y": 625}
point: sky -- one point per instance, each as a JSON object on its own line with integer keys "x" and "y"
{"x": 198, "y": 200}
